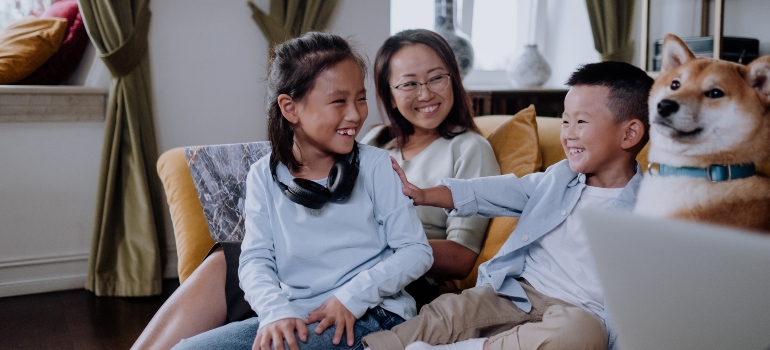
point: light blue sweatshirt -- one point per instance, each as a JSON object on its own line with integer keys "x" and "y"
{"x": 364, "y": 250}
{"x": 543, "y": 201}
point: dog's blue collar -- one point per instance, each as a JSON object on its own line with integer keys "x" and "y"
{"x": 713, "y": 173}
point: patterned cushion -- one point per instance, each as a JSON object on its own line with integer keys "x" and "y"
{"x": 219, "y": 174}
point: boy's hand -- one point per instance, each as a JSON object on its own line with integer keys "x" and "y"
{"x": 415, "y": 193}
{"x": 275, "y": 333}
{"x": 332, "y": 312}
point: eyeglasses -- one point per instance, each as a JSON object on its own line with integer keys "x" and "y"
{"x": 438, "y": 83}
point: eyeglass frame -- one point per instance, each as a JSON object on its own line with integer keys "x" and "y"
{"x": 419, "y": 89}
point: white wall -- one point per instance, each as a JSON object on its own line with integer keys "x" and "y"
{"x": 566, "y": 39}
{"x": 209, "y": 64}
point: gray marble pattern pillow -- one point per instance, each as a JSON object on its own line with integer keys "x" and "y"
{"x": 219, "y": 174}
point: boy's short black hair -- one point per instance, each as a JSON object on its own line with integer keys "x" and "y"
{"x": 629, "y": 88}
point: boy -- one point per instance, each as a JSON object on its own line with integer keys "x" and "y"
{"x": 541, "y": 290}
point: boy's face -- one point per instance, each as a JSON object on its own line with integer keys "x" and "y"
{"x": 589, "y": 135}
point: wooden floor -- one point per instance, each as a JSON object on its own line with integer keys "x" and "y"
{"x": 76, "y": 319}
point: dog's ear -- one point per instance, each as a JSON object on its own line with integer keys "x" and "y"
{"x": 758, "y": 76}
{"x": 675, "y": 53}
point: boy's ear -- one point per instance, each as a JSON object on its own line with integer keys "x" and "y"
{"x": 288, "y": 108}
{"x": 634, "y": 133}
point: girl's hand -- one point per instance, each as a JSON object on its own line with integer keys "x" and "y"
{"x": 332, "y": 312}
{"x": 415, "y": 193}
{"x": 275, "y": 333}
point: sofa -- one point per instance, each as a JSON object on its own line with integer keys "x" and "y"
{"x": 523, "y": 143}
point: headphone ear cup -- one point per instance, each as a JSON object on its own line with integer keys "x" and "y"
{"x": 307, "y": 193}
{"x": 342, "y": 178}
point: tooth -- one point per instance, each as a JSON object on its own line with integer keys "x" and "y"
{"x": 351, "y": 132}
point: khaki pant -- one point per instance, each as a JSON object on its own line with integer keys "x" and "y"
{"x": 480, "y": 313}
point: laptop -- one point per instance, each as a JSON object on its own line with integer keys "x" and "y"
{"x": 681, "y": 285}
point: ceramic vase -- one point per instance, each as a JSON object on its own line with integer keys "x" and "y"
{"x": 458, "y": 41}
{"x": 529, "y": 69}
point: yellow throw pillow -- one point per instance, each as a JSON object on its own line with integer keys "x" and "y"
{"x": 26, "y": 44}
{"x": 515, "y": 144}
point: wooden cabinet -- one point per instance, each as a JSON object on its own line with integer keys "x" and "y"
{"x": 486, "y": 101}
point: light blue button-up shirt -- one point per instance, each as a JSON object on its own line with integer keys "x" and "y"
{"x": 363, "y": 251}
{"x": 543, "y": 201}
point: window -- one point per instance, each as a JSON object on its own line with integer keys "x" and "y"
{"x": 493, "y": 26}
{"x": 11, "y": 10}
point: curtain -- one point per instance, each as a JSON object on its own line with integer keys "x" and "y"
{"x": 291, "y": 18}
{"x": 611, "y": 26}
{"x": 125, "y": 257}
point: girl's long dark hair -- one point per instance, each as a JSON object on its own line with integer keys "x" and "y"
{"x": 294, "y": 67}
{"x": 461, "y": 114}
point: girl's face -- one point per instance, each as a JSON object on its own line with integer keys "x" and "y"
{"x": 331, "y": 114}
{"x": 427, "y": 106}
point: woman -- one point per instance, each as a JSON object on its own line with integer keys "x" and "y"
{"x": 432, "y": 136}
{"x": 433, "y": 126}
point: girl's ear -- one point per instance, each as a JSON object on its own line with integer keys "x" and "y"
{"x": 288, "y": 108}
{"x": 633, "y": 134}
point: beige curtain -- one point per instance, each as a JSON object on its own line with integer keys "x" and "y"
{"x": 125, "y": 257}
{"x": 291, "y": 18}
{"x": 611, "y": 26}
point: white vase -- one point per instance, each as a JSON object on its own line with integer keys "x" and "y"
{"x": 529, "y": 69}
{"x": 458, "y": 41}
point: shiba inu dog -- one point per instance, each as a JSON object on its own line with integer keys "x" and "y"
{"x": 709, "y": 127}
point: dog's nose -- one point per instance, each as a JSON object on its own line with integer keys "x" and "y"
{"x": 667, "y": 107}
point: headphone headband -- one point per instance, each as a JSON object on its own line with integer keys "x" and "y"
{"x": 340, "y": 183}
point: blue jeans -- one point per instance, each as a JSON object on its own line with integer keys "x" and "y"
{"x": 241, "y": 335}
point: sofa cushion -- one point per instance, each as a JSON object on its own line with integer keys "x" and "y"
{"x": 67, "y": 58}
{"x": 193, "y": 239}
{"x": 515, "y": 143}
{"x": 219, "y": 174}
{"x": 26, "y": 44}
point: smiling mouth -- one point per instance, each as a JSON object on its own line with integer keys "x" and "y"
{"x": 574, "y": 151}
{"x": 678, "y": 133}
{"x": 427, "y": 109}
{"x": 349, "y": 132}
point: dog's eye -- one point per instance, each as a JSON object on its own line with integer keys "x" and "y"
{"x": 675, "y": 84}
{"x": 715, "y": 93}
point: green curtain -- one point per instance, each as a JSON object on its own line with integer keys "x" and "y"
{"x": 125, "y": 257}
{"x": 611, "y": 26}
{"x": 291, "y": 18}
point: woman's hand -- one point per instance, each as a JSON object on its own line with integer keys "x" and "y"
{"x": 415, "y": 193}
{"x": 276, "y": 332}
{"x": 332, "y": 312}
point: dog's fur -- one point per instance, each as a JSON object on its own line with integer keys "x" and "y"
{"x": 707, "y": 129}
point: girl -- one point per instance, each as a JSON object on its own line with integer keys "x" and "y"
{"x": 330, "y": 240}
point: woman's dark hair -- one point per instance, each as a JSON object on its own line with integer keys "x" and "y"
{"x": 461, "y": 114}
{"x": 294, "y": 67}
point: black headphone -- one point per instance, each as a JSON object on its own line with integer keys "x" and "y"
{"x": 342, "y": 178}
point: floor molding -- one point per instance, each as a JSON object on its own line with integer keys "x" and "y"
{"x": 54, "y": 273}
{"x": 42, "y": 274}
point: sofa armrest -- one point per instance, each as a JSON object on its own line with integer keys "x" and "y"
{"x": 193, "y": 239}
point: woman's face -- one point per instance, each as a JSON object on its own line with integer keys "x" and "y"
{"x": 331, "y": 114}
{"x": 426, "y": 106}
